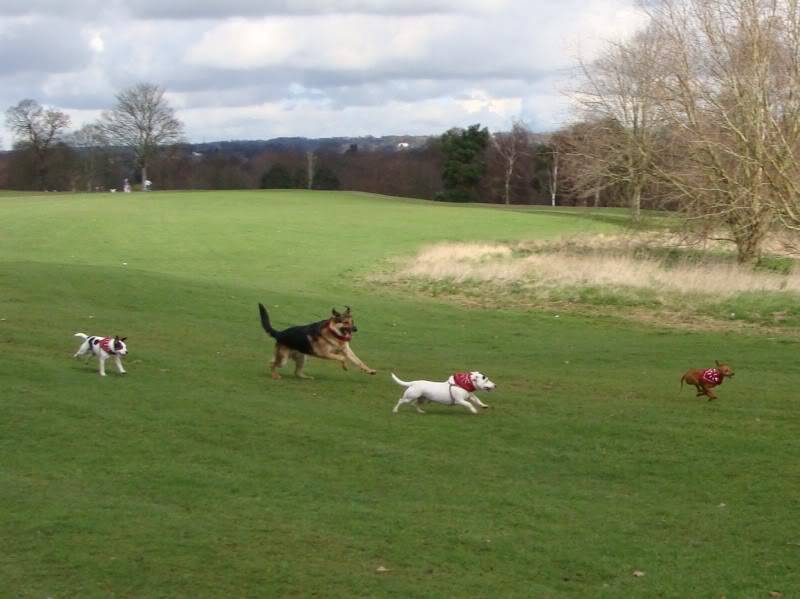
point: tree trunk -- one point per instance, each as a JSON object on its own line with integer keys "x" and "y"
{"x": 636, "y": 203}
{"x": 596, "y": 198}
{"x": 310, "y": 159}
{"x": 751, "y": 229}
{"x": 144, "y": 176}
{"x": 41, "y": 171}
{"x": 554, "y": 184}
{"x": 748, "y": 250}
{"x": 507, "y": 196}
{"x": 749, "y": 244}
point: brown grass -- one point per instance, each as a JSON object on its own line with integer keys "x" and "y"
{"x": 604, "y": 262}
{"x": 652, "y": 278}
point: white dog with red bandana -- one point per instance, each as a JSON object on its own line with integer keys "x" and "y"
{"x": 458, "y": 389}
{"x": 104, "y": 348}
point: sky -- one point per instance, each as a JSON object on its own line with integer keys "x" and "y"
{"x": 258, "y": 69}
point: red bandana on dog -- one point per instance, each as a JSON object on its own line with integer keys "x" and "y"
{"x": 463, "y": 380}
{"x": 712, "y": 376}
{"x": 107, "y": 345}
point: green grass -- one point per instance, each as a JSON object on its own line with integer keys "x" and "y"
{"x": 10, "y": 193}
{"x": 198, "y": 476}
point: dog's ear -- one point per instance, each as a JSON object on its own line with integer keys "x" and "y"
{"x": 717, "y": 362}
{"x": 347, "y": 310}
{"x": 123, "y": 339}
{"x": 335, "y": 313}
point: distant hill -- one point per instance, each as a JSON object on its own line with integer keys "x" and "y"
{"x": 249, "y": 148}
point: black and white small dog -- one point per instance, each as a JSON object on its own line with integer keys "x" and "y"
{"x": 104, "y": 348}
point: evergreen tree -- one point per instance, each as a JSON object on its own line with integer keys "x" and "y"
{"x": 325, "y": 178}
{"x": 464, "y": 163}
{"x": 277, "y": 177}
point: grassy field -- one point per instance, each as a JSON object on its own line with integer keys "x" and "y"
{"x": 196, "y": 475}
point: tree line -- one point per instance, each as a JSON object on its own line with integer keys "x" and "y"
{"x": 140, "y": 138}
{"x": 698, "y": 113}
{"x": 128, "y": 136}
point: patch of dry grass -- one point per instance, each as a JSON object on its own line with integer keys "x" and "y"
{"x": 642, "y": 276}
{"x": 598, "y": 262}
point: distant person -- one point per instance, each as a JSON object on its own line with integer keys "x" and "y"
{"x": 126, "y": 186}
{"x": 147, "y": 184}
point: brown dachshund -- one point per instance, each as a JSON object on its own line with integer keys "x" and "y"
{"x": 705, "y": 379}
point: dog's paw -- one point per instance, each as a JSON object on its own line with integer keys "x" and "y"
{"x": 371, "y": 371}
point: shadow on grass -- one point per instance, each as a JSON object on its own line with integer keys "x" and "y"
{"x": 428, "y": 412}
{"x": 599, "y": 215}
{"x": 612, "y": 216}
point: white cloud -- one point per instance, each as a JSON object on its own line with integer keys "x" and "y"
{"x": 604, "y": 20}
{"x": 191, "y": 9}
{"x": 320, "y": 119}
{"x": 481, "y": 102}
{"x": 262, "y": 68}
{"x": 96, "y": 43}
{"x": 336, "y": 42}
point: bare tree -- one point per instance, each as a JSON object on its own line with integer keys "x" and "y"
{"x": 511, "y": 146}
{"x": 575, "y": 173}
{"x": 730, "y": 85}
{"x": 37, "y": 129}
{"x": 142, "y": 121}
{"x": 90, "y": 143}
{"x": 616, "y": 99}
{"x": 552, "y": 174}
{"x": 705, "y": 104}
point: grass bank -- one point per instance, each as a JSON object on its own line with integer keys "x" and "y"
{"x": 197, "y": 475}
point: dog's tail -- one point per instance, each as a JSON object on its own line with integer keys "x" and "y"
{"x": 265, "y": 321}
{"x": 399, "y": 382}
{"x": 81, "y": 335}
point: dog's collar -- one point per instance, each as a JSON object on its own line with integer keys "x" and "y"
{"x": 712, "y": 376}
{"x": 463, "y": 380}
{"x": 336, "y": 333}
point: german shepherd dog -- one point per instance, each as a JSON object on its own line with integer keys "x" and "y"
{"x": 328, "y": 339}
